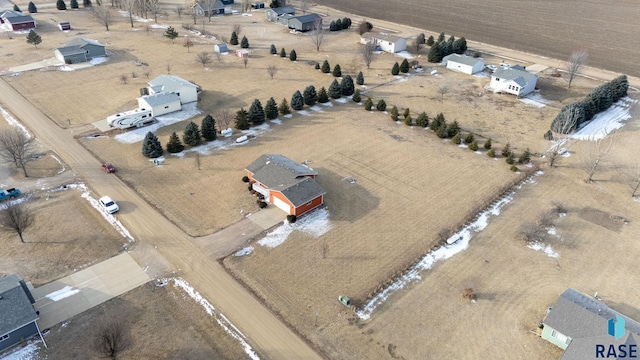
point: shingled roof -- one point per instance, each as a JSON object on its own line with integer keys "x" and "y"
{"x": 515, "y": 73}
{"x": 16, "y": 309}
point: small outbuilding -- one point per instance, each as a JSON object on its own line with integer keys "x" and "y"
{"x": 242, "y": 53}
{"x": 64, "y": 26}
{"x": 18, "y": 317}
{"x": 386, "y": 42}
{"x": 257, "y": 5}
{"x": 71, "y": 54}
{"x": 275, "y": 13}
{"x": 305, "y": 22}
{"x": 16, "y": 20}
{"x": 160, "y": 104}
{"x": 463, "y": 63}
{"x": 221, "y": 48}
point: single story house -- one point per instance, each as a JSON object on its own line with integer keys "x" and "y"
{"x": 65, "y": 25}
{"x": 216, "y": 7}
{"x": 161, "y": 103}
{"x": 72, "y": 52}
{"x": 463, "y": 63}
{"x": 305, "y": 22}
{"x": 18, "y": 317}
{"x": 220, "y": 48}
{"x": 16, "y": 20}
{"x": 93, "y": 48}
{"x": 188, "y": 92}
{"x": 242, "y": 53}
{"x": 289, "y": 185}
{"x": 386, "y": 42}
{"x": 582, "y": 325}
{"x": 513, "y": 80}
{"x": 275, "y": 13}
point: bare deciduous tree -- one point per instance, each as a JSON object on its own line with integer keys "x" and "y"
{"x": 634, "y": 176}
{"x": 146, "y": 73}
{"x": 223, "y": 118}
{"x": 169, "y": 69}
{"x": 272, "y": 70}
{"x": 154, "y": 8}
{"x": 366, "y": 50}
{"x": 469, "y": 294}
{"x": 129, "y": 7}
{"x": 124, "y": 79}
{"x": 245, "y": 61}
{"x": 304, "y": 6}
{"x": 16, "y": 218}
{"x": 575, "y": 63}
{"x": 179, "y": 10}
{"x": 444, "y": 89}
{"x": 204, "y": 58}
{"x": 218, "y": 57}
{"x": 418, "y": 43}
{"x": 17, "y": 147}
{"x": 317, "y": 36}
{"x": 246, "y": 5}
{"x": 102, "y": 14}
{"x": 596, "y": 154}
{"x": 188, "y": 43}
{"x": 111, "y": 338}
{"x": 237, "y": 28}
{"x": 530, "y": 232}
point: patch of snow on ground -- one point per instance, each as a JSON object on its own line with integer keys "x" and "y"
{"x": 66, "y": 68}
{"x": 455, "y": 244}
{"x": 327, "y": 104}
{"x": 157, "y": 26}
{"x": 28, "y": 352}
{"x": 65, "y": 292}
{"x": 218, "y": 316}
{"x": 605, "y": 122}
{"x": 288, "y": 116}
{"x": 546, "y": 249}
{"x": 315, "y": 223}
{"x": 245, "y": 251}
{"x": 304, "y": 112}
{"x": 19, "y": 200}
{"x": 534, "y": 99}
{"x": 482, "y": 74}
{"x": 98, "y": 60}
{"x": 276, "y": 121}
{"x": 13, "y": 122}
{"x": 404, "y": 54}
{"x": 59, "y": 162}
{"x": 316, "y": 108}
{"x": 136, "y": 18}
{"x": 342, "y": 100}
{"x": 136, "y": 135}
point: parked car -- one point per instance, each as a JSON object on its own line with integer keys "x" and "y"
{"x": 9, "y": 193}
{"x": 108, "y": 204}
{"x": 108, "y": 168}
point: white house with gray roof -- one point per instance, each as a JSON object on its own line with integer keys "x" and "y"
{"x": 188, "y": 92}
{"x": 513, "y": 80}
{"x": 578, "y": 323}
{"x": 160, "y": 103}
{"x": 18, "y": 317}
{"x": 463, "y": 63}
{"x": 386, "y": 42}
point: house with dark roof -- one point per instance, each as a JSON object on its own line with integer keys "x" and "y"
{"x": 80, "y": 50}
{"x": 305, "y": 22}
{"x": 17, "y": 315}
{"x": 275, "y": 13}
{"x": 289, "y": 185}
{"x": 579, "y": 324}
{"x": 216, "y": 7}
{"x": 463, "y": 63}
{"x": 514, "y": 80}
{"x": 384, "y": 41}
{"x": 16, "y": 20}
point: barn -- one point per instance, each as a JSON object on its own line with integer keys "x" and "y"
{"x": 16, "y": 20}
{"x": 289, "y": 185}
{"x": 462, "y": 63}
{"x": 305, "y": 22}
{"x": 160, "y": 104}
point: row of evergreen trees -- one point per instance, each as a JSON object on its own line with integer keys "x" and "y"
{"x": 340, "y": 24}
{"x": 244, "y": 43}
{"x": 403, "y": 67}
{"x": 193, "y": 135}
{"x": 572, "y": 115}
{"x": 32, "y": 8}
{"x": 441, "y": 48}
{"x": 293, "y": 56}
{"x": 60, "y": 5}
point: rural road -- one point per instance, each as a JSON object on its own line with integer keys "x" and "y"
{"x": 267, "y": 334}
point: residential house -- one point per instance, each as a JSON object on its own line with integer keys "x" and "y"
{"x": 275, "y": 13}
{"x": 463, "y": 63}
{"x": 16, "y": 20}
{"x": 386, "y": 42}
{"x": 80, "y": 50}
{"x": 160, "y": 103}
{"x": 18, "y": 317}
{"x": 577, "y": 323}
{"x": 513, "y": 80}
{"x": 305, "y": 22}
{"x": 215, "y": 7}
{"x": 188, "y": 92}
{"x": 289, "y": 185}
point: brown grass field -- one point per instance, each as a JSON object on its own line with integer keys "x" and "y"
{"x": 410, "y": 186}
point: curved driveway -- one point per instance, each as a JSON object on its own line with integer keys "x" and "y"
{"x": 266, "y": 333}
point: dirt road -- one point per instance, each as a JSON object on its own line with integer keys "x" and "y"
{"x": 270, "y": 337}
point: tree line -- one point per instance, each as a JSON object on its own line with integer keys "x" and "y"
{"x": 441, "y": 47}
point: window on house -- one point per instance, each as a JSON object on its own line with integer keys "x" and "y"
{"x": 309, "y": 203}
{"x": 4, "y": 337}
{"x": 554, "y": 333}
{"x": 166, "y": 107}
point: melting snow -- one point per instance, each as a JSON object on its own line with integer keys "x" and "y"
{"x": 98, "y": 60}
{"x": 327, "y": 104}
{"x": 157, "y": 26}
{"x": 245, "y": 251}
{"x": 62, "y": 293}
{"x": 276, "y": 121}
{"x": 13, "y": 122}
{"x": 288, "y": 116}
{"x": 316, "y": 108}
{"x": 342, "y": 100}
{"x": 136, "y": 135}
{"x": 304, "y": 112}
{"x": 534, "y": 99}
{"x": 66, "y": 68}
{"x": 605, "y": 122}
{"x": 537, "y": 246}
{"x": 28, "y": 352}
{"x": 404, "y": 54}
{"x": 315, "y": 223}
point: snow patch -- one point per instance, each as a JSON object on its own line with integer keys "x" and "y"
{"x": 28, "y": 352}
{"x": 98, "y": 60}
{"x": 315, "y": 223}
{"x": 547, "y": 249}
{"x": 136, "y": 135}
{"x": 304, "y": 112}
{"x": 327, "y": 104}
{"x": 65, "y": 292}
{"x": 276, "y": 121}
{"x": 157, "y": 26}
{"x": 342, "y": 100}
{"x": 13, "y": 122}
{"x": 404, "y": 54}
{"x": 605, "y": 122}
{"x": 245, "y": 251}
{"x": 316, "y": 108}
{"x": 288, "y": 116}
{"x": 534, "y": 99}
{"x": 66, "y": 68}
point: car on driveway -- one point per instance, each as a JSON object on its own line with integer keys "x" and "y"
{"x": 108, "y": 204}
{"x": 108, "y": 168}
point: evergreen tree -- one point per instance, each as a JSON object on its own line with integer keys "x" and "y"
{"x": 487, "y": 144}
{"x": 335, "y": 90}
{"x": 404, "y": 66}
{"x": 309, "y": 95}
{"x": 32, "y": 8}
{"x": 569, "y": 118}
{"x": 507, "y": 150}
{"x": 510, "y": 159}
{"x": 323, "y": 97}
{"x": 271, "y": 109}
{"x": 346, "y": 23}
{"x": 174, "y": 145}
{"x": 406, "y": 112}
{"x": 491, "y": 153}
{"x": 33, "y": 38}
{"x": 525, "y": 158}
{"x": 283, "y": 108}
{"x": 394, "y": 113}
{"x": 395, "y": 70}
{"x": 368, "y": 104}
{"x": 435, "y": 53}
{"x": 360, "y": 79}
{"x": 60, "y": 5}
{"x": 283, "y": 53}
{"x": 293, "y": 56}
{"x": 332, "y": 26}
{"x": 430, "y": 41}
{"x": 440, "y": 37}
{"x": 620, "y": 87}
{"x": 244, "y": 43}
{"x": 74, "y": 4}
{"x": 86, "y": 3}
{"x": 460, "y": 46}
{"x": 337, "y": 72}
{"x": 317, "y": 67}
{"x": 408, "y": 121}
{"x": 151, "y": 146}
{"x": 456, "y": 139}
{"x": 273, "y": 50}
{"x": 347, "y": 86}
{"x": 191, "y": 135}
{"x": 442, "y": 131}
{"x": 171, "y": 33}
{"x": 325, "y": 67}
{"x": 208, "y": 128}
{"x": 16, "y": 8}
{"x": 338, "y": 25}
{"x": 234, "y": 39}
{"x": 437, "y": 122}
{"x": 473, "y": 146}
{"x": 242, "y": 119}
{"x": 256, "y": 113}
{"x": 356, "y": 96}
{"x": 453, "y": 128}
{"x": 469, "y": 138}
{"x": 422, "y": 120}
{"x": 381, "y": 105}
{"x": 589, "y": 108}
{"x": 297, "y": 101}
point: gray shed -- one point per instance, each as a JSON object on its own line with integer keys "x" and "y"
{"x": 220, "y": 48}
{"x": 93, "y": 48}
{"x": 71, "y": 54}
{"x": 274, "y": 14}
{"x": 305, "y": 22}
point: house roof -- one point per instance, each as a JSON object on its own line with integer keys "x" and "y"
{"x": 381, "y": 36}
{"x": 585, "y": 321}
{"x": 16, "y": 17}
{"x": 309, "y": 18}
{"x": 215, "y": 5}
{"x": 284, "y": 10}
{"x": 71, "y": 50}
{"x": 161, "y": 98}
{"x": 280, "y": 173}
{"x": 169, "y": 82}
{"x": 515, "y": 73}
{"x": 16, "y": 309}
{"x": 463, "y": 59}
{"x": 82, "y": 42}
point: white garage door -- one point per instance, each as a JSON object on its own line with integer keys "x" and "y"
{"x": 282, "y": 205}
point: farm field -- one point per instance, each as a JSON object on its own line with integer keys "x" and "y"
{"x": 550, "y": 28}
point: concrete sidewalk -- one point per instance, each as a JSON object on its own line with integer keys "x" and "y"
{"x": 62, "y": 299}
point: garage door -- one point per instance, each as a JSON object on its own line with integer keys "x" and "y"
{"x": 282, "y": 205}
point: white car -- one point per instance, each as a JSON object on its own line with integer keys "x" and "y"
{"x": 108, "y": 204}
